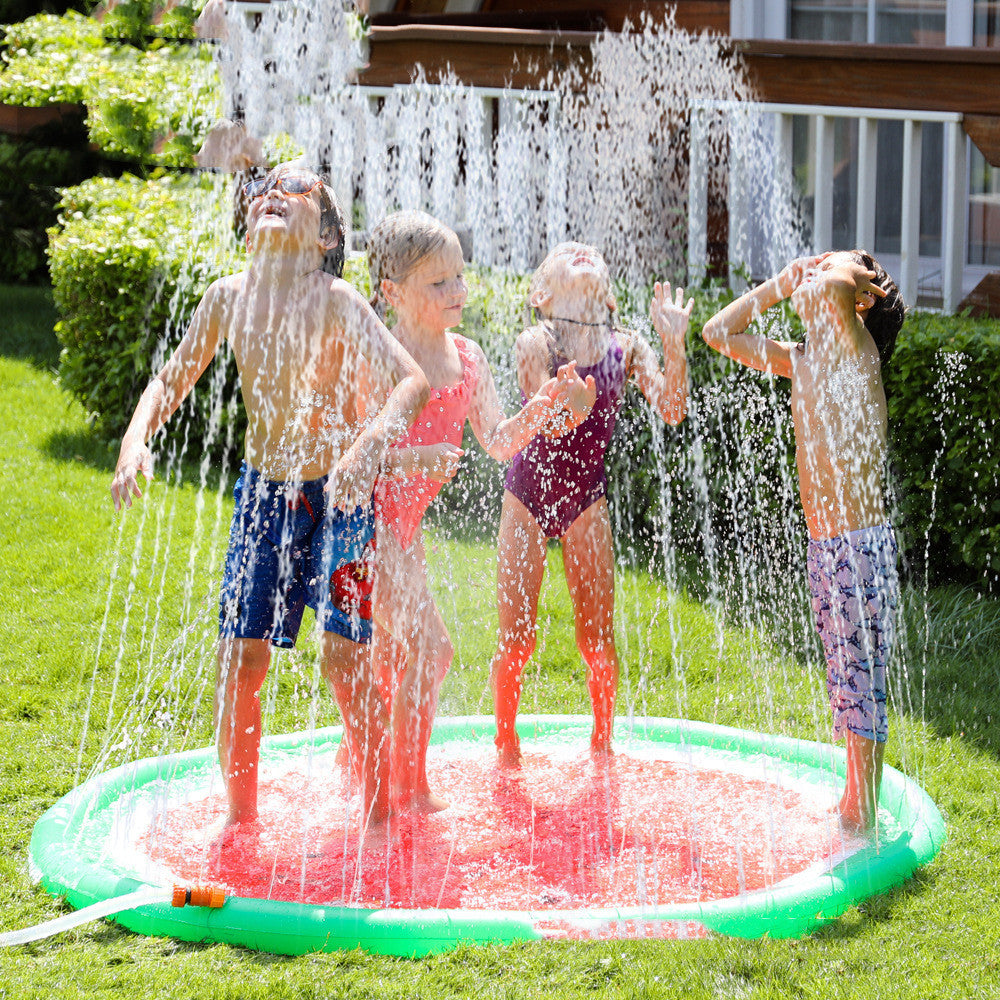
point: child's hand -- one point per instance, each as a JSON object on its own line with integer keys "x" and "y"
{"x": 572, "y": 399}
{"x": 437, "y": 461}
{"x": 132, "y": 460}
{"x": 865, "y": 291}
{"x": 353, "y": 480}
{"x": 797, "y": 271}
{"x": 670, "y": 317}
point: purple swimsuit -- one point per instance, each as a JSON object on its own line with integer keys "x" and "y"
{"x": 557, "y": 479}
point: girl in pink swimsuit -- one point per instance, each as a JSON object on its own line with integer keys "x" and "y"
{"x": 556, "y": 487}
{"x": 416, "y": 268}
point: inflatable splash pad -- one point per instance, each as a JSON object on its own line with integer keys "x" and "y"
{"x": 689, "y": 828}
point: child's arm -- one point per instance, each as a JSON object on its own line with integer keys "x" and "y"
{"x": 436, "y": 461}
{"x": 726, "y": 331}
{"x": 666, "y": 389}
{"x": 503, "y": 437}
{"x": 165, "y": 392}
{"x": 354, "y": 477}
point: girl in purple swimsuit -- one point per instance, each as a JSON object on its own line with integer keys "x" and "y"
{"x": 556, "y": 486}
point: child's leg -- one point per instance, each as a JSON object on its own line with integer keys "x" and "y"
{"x": 347, "y": 671}
{"x": 589, "y": 560}
{"x": 855, "y": 593}
{"x": 520, "y": 566}
{"x": 406, "y": 609}
{"x": 864, "y": 779}
{"x": 388, "y": 661}
{"x": 241, "y": 669}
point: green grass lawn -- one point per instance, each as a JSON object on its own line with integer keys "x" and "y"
{"x": 108, "y": 628}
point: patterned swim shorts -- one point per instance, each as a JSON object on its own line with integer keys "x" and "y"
{"x": 855, "y": 594}
{"x": 289, "y": 549}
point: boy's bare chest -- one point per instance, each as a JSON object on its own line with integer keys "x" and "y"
{"x": 838, "y": 397}
{"x": 285, "y": 351}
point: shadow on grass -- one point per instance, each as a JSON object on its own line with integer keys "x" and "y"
{"x": 111, "y": 934}
{"x": 29, "y": 321}
{"x": 102, "y": 455}
{"x": 82, "y": 446}
{"x": 950, "y": 675}
{"x": 878, "y": 909}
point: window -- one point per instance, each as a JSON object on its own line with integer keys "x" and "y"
{"x": 984, "y": 211}
{"x": 910, "y": 22}
{"x": 986, "y": 23}
{"x": 885, "y": 22}
{"x": 829, "y": 20}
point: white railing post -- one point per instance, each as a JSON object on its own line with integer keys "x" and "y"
{"x": 408, "y": 151}
{"x": 479, "y": 176}
{"x": 376, "y": 166}
{"x": 555, "y": 194}
{"x": 444, "y": 181}
{"x": 737, "y": 195}
{"x": 909, "y": 227}
{"x": 697, "y": 250}
{"x": 864, "y": 209}
{"x": 783, "y": 138}
{"x": 823, "y": 185}
{"x": 956, "y": 199}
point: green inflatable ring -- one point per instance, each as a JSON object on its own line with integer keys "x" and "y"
{"x": 65, "y": 856}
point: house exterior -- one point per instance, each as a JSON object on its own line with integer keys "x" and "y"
{"x": 936, "y": 59}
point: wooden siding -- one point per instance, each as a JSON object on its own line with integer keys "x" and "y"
{"x": 692, "y": 15}
{"x": 910, "y": 77}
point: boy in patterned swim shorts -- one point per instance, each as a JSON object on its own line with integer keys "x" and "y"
{"x": 302, "y": 530}
{"x": 852, "y": 312}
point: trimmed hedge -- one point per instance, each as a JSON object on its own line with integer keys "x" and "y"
{"x": 131, "y": 259}
{"x": 144, "y": 103}
{"x": 944, "y": 407}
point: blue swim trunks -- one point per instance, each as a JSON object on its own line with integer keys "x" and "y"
{"x": 287, "y": 549}
{"x": 855, "y": 593}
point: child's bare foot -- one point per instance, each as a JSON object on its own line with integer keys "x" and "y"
{"x": 509, "y": 755}
{"x": 375, "y": 835}
{"x": 856, "y": 815}
{"x": 423, "y": 803}
{"x": 380, "y": 833}
{"x": 234, "y": 834}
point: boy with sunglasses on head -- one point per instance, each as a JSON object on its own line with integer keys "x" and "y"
{"x": 852, "y": 312}
{"x": 302, "y": 530}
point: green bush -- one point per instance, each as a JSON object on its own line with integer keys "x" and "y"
{"x": 129, "y": 262}
{"x": 149, "y": 104}
{"x": 944, "y": 397}
{"x": 138, "y": 21}
{"x": 49, "y": 59}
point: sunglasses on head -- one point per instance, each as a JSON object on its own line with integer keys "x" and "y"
{"x": 288, "y": 182}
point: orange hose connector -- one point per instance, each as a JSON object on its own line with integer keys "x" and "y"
{"x": 212, "y": 896}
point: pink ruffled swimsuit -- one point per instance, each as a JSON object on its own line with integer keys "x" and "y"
{"x": 400, "y": 501}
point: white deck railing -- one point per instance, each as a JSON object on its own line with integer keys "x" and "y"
{"x": 953, "y": 191}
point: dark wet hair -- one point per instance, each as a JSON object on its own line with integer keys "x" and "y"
{"x": 331, "y": 223}
{"x": 886, "y": 315}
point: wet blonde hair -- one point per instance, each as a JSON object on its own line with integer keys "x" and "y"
{"x": 539, "y": 280}
{"x": 398, "y": 244}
